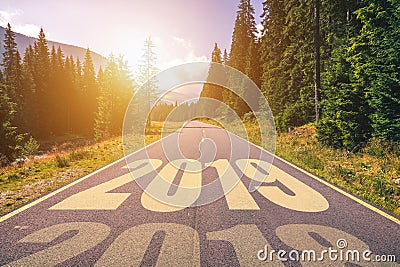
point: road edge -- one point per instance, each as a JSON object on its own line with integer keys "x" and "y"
{"x": 53, "y": 193}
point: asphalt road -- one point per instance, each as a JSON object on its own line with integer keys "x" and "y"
{"x": 106, "y": 219}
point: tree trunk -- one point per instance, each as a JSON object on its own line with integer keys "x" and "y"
{"x": 317, "y": 63}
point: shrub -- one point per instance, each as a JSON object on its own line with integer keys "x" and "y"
{"x": 61, "y": 162}
{"x": 29, "y": 148}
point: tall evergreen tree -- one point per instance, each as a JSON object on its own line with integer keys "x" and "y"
{"x": 90, "y": 93}
{"x": 243, "y": 35}
{"x": 147, "y": 72}
{"x": 11, "y": 100}
{"x": 59, "y": 89}
{"x": 9, "y": 138}
{"x": 54, "y": 92}
{"x": 65, "y": 89}
{"x": 116, "y": 90}
{"x": 79, "y": 101}
{"x": 216, "y": 54}
{"x": 297, "y": 62}
{"x": 274, "y": 41}
{"x": 10, "y": 63}
{"x": 29, "y": 106}
{"x": 287, "y": 53}
{"x": 225, "y": 58}
{"x": 254, "y": 72}
{"x": 12, "y": 72}
{"x": 102, "y": 127}
{"x": 123, "y": 92}
{"x": 211, "y": 90}
{"x": 78, "y": 74}
{"x": 345, "y": 112}
{"x": 253, "y": 63}
{"x": 375, "y": 57}
{"x": 41, "y": 78}
{"x": 71, "y": 95}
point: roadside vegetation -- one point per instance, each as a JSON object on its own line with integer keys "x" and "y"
{"x": 21, "y": 183}
{"x": 372, "y": 173}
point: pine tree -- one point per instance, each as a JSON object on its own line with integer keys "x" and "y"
{"x": 90, "y": 93}
{"x": 74, "y": 72}
{"x": 345, "y": 119}
{"x": 287, "y": 53}
{"x": 11, "y": 99}
{"x": 225, "y": 58}
{"x": 211, "y": 90}
{"x": 41, "y": 78}
{"x": 216, "y": 54}
{"x": 12, "y": 72}
{"x": 29, "y": 106}
{"x": 254, "y": 72}
{"x": 59, "y": 89}
{"x": 102, "y": 127}
{"x": 147, "y": 72}
{"x": 226, "y": 94}
{"x": 116, "y": 90}
{"x": 9, "y": 138}
{"x": 79, "y": 120}
{"x": 243, "y": 35}
{"x": 253, "y": 64}
{"x": 54, "y": 93}
{"x": 123, "y": 92}
{"x": 274, "y": 41}
{"x": 78, "y": 74}
{"x": 65, "y": 89}
{"x": 375, "y": 57}
{"x": 10, "y": 61}
{"x": 71, "y": 95}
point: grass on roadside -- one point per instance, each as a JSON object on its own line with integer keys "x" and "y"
{"x": 370, "y": 173}
{"x": 64, "y": 163}
{"x": 20, "y": 184}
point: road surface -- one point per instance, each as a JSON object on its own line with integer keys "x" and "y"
{"x": 291, "y": 219}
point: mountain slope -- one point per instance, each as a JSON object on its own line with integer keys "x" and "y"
{"x": 24, "y": 41}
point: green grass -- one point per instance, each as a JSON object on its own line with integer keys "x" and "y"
{"x": 20, "y": 184}
{"x": 66, "y": 162}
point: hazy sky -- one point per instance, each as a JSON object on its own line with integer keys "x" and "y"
{"x": 182, "y": 30}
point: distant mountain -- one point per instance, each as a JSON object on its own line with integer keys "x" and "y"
{"x": 24, "y": 41}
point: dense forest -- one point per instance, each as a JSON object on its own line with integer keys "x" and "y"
{"x": 46, "y": 94}
{"x": 358, "y": 77}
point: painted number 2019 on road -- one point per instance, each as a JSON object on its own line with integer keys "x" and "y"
{"x": 302, "y": 197}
